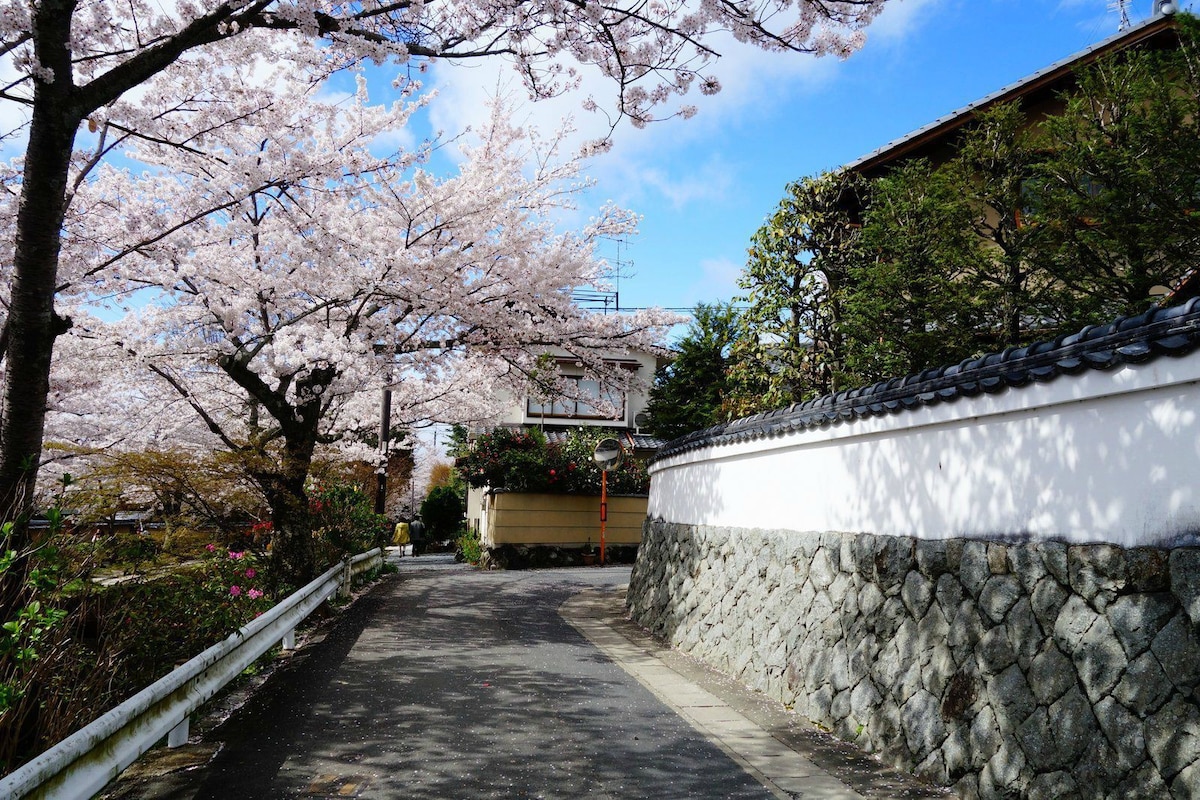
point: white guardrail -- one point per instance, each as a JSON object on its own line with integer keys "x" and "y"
{"x": 85, "y": 762}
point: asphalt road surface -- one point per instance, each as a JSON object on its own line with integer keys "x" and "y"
{"x": 447, "y": 682}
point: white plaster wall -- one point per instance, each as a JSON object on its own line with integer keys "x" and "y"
{"x": 1095, "y": 457}
{"x": 476, "y": 508}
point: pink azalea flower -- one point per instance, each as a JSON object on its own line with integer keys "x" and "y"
{"x": 250, "y": 573}
{"x": 254, "y": 594}
{"x": 236, "y": 555}
{"x": 210, "y": 547}
{"x": 235, "y": 590}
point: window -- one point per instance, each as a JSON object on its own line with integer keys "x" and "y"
{"x": 591, "y": 394}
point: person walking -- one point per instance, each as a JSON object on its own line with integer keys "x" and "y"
{"x": 416, "y": 532}
{"x": 401, "y": 537}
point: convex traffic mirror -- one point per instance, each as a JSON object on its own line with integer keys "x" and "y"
{"x": 608, "y": 454}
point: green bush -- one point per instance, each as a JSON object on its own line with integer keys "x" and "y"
{"x": 344, "y": 522}
{"x": 132, "y": 549}
{"x": 47, "y": 678}
{"x": 73, "y": 648}
{"x": 160, "y": 623}
{"x": 442, "y": 512}
{"x": 469, "y": 548}
{"x": 523, "y": 461}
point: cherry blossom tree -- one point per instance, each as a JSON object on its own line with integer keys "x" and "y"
{"x": 126, "y": 71}
{"x": 279, "y": 316}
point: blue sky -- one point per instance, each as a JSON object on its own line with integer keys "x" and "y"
{"x": 704, "y": 185}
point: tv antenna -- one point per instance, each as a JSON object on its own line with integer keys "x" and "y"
{"x": 619, "y": 263}
{"x": 607, "y": 298}
{"x": 1122, "y": 9}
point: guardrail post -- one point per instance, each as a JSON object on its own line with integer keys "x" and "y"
{"x": 347, "y": 580}
{"x": 179, "y": 734}
{"x": 289, "y": 640}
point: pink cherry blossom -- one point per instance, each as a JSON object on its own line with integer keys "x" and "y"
{"x": 129, "y": 78}
{"x": 295, "y": 267}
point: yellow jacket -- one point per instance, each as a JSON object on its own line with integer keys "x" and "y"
{"x": 401, "y": 536}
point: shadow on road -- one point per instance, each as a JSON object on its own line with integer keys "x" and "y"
{"x": 445, "y": 683}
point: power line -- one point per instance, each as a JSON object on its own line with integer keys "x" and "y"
{"x": 683, "y": 310}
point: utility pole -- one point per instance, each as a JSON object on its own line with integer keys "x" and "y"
{"x": 385, "y": 433}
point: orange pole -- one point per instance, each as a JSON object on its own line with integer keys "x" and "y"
{"x": 603, "y": 510}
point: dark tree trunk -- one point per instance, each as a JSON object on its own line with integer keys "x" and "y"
{"x": 282, "y": 476}
{"x": 59, "y": 107}
{"x": 1013, "y": 297}
{"x": 293, "y": 557}
{"x": 32, "y": 325}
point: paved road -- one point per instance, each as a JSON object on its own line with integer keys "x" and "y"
{"x": 446, "y": 682}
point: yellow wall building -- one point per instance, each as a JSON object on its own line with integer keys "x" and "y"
{"x": 559, "y": 520}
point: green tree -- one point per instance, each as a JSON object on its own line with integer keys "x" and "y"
{"x": 1026, "y": 231}
{"x": 442, "y": 511}
{"x": 918, "y": 302}
{"x": 991, "y": 168}
{"x": 799, "y": 266}
{"x": 688, "y": 392}
{"x": 1118, "y": 191}
{"x": 459, "y": 441}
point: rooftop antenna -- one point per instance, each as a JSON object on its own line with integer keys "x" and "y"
{"x": 1122, "y": 9}
{"x": 607, "y": 301}
{"x": 619, "y": 265}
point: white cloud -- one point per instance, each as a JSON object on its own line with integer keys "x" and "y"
{"x": 898, "y": 20}
{"x": 717, "y": 281}
{"x": 643, "y": 168}
{"x": 711, "y": 181}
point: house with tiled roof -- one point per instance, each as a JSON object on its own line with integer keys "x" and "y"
{"x": 1000, "y": 219}
{"x": 1039, "y": 96}
{"x": 592, "y": 402}
{"x": 553, "y": 523}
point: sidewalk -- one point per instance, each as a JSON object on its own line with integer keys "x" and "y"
{"x": 447, "y": 682}
{"x": 789, "y": 758}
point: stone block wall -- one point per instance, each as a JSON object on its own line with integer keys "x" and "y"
{"x": 1030, "y": 670}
